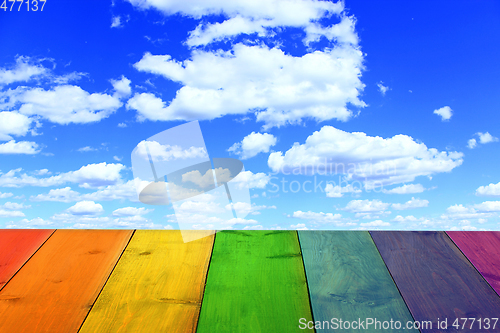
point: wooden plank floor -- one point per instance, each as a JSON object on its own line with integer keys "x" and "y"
{"x": 436, "y": 279}
{"x": 55, "y": 289}
{"x": 256, "y": 283}
{"x": 483, "y": 250}
{"x": 157, "y": 286}
{"x": 16, "y": 247}
{"x": 348, "y": 280}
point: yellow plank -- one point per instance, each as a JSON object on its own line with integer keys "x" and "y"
{"x": 157, "y": 286}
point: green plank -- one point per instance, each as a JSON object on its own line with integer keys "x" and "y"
{"x": 256, "y": 283}
{"x": 348, "y": 281}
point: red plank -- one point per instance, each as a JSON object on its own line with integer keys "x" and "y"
{"x": 482, "y": 248}
{"x": 16, "y": 247}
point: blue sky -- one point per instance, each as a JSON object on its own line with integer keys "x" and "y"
{"x": 402, "y": 95}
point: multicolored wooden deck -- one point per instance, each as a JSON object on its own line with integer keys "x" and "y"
{"x": 248, "y": 281}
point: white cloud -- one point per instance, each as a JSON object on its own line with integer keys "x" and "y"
{"x": 207, "y": 180}
{"x": 253, "y": 144}
{"x": 21, "y": 147}
{"x": 253, "y": 180}
{"x": 116, "y": 22}
{"x": 119, "y": 191}
{"x": 24, "y": 70}
{"x": 383, "y": 89}
{"x": 488, "y": 206}
{"x": 88, "y": 176}
{"x": 317, "y": 217}
{"x": 366, "y": 206}
{"x": 491, "y": 190}
{"x": 85, "y": 208}
{"x": 5, "y": 195}
{"x": 459, "y": 212}
{"x": 250, "y": 17}
{"x": 86, "y": 149}
{"x": 372, "y": 160}
{"x": 412, "y": 203}
{"x": 131, "y": 211}
{"x": 377, "y": 223}
{"x": 161, "y": 152}
{"x": 14, "y": 206}
{"x": 65, "y": 104}
{"x": 445, "y": 113}
{"x": 13, "y": 123}
{"x": 122, "y": 87}
{"x": 338, "y": 191}
{"x": 401, "y": 219}
{"x": 472, "y": 143}
{"x": 406, "y": 189}
{"x": 299, "y": 226}
{"x": 65, "y": 194}
{"x": 483, "y": 139}
{"x": 11, "y": 213}
{"x": 284, "y": 89}
{"x": 33, "y": 223}
{"x": 486, "y": 138}
{"x": 122, "y": 125}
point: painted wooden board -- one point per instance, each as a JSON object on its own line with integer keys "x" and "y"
{"x": 482, "y": 248}
{"x": 436, "y": 279}
{"x": 349, "y": 281}
{"x": 157, "y": 286}
{"x": 16, "y": 247}
{"x": 256, "y": 283}
{"x": 56, "y": 288}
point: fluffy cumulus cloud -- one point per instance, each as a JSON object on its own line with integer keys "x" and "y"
{"x": 375, "y": 224}
{"x": 413, "y": 203}
{"x": 337, "y": 191}
{"x": 405, "y": 189}
{"x": 483, "y": 139}
{"x": 23, "y": 70}
{"x": 253, "y": 144}
{"x": 479, "y": 212}
{"x": 120, "y": 191}
{"x": 445, "y": 113}
{"x": 122, "y": 87}
{"x": 13, "y": 124}
{"x": 88, "y": 176}
{"x": 62, "y": 103}
{"x": 131, "y": 211}
{"x": 86, "y": 208}
{"x": 366, "y": 206}
{"x": 19, "y": 147}
{"x": 252, "y": 76}
{"x": 472, "y": 143}
{"x": 489, "y": 190}
{"x": 372, "y": 160}
{"x": 320, "y": 217}
{"x": 383, "y": 89}
{"x": 253, "y": 180}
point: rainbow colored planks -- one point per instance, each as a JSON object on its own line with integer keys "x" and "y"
{"x": 55, "y": 289}
{"x": 435, "y": 279}
{"x": 151, "y": 281}
{"x": 157, "y": 286}
{"x": 483, "y": 250}
{"x": 16, "y": 247}
{"x": 349, "y": 281}
{"x": 256, "y": 283}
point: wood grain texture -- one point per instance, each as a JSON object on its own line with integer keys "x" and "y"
{"x": 56, "y": 288}
{"x": 482, "y": 248}
{"x": 157, "y": 286}
{"x": 435, "y": 278}
{"x": 16, "y": 247}
{"x": 256, "y": 283}
{"x": 348, "y": 280}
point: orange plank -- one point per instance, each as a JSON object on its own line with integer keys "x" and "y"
{"x": 56, "y": 288}
{"x": 16, "y": 247}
